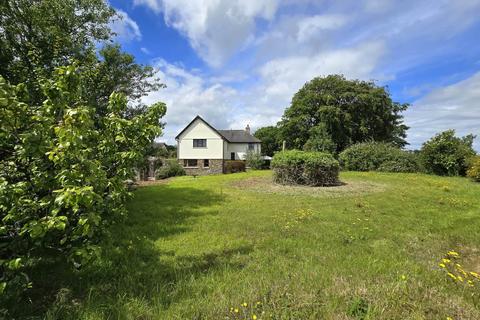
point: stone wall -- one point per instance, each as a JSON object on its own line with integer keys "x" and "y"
{"x": 215, "y": 166}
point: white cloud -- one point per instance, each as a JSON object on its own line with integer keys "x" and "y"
{"x": 284, "y": 76}
{"x": 125, "y": 27}
{"x": 145, "y": 50}
{"x": 216, "y": 29}
{"x": 452, "y": 107}
{"x": 188, "y": 94}
{"x": 309, "y": 27}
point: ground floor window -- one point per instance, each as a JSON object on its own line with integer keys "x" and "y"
{"x": 190, "y": 163}
{"x": 206, "y": 163}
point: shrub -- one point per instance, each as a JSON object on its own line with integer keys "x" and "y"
{"x": 232, "y": 166}
{"x": 447, "y": 155}
{"x": 171, "y": 168}
{"x": 306, "y": 168}
{"x": 63, "y": 173}
{"x": 403, "y": 161}
{"x": 369, "y": 156}
{"x": 474, "y": 169}
{"x": 254, "y": 160}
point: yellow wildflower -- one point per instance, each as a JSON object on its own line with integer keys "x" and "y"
{"x": 441, "y": 265}
{"x": 236, "y": 310}
{"x": 470, "y": 283}
{"x": 453, "y": 253}
{"x": 449, "y": 318}
{"x": 244, "y": 304}
{"x": 452, "y": 276}
{"x": 476, "y": 275}
{"x": 460, "y": 279}
{"x": 254, "y": 317}
{"x": 446, "y": 260}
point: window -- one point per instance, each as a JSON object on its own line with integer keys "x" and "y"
{"x": 190, "y": 163}
{"x": 232, "y": 156}
{"x": 251, "y": 146}
{"x": 199, "y": 143}
{"x": 206, "y": 163}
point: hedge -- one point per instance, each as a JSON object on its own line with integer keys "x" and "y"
{"x": 305, "y": 168}
{"x": 371, "y": 156}
{"x": 232, "y": 166}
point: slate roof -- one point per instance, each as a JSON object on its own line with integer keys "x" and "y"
{"x": 234, "y": 136}
{"x": 238, "y": 136}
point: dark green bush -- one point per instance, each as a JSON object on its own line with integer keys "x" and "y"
{"x": 232, "y": 166}
{"x": 370, "y": 156}
{"x": 403, "y": 161}
{"x": 171, "y": 168}
{"x": 447, "y": 155}
{"x": 306, "y": 168}
{"x": 474, "y": 169}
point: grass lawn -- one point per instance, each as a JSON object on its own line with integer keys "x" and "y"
{"x": 199, "y": 248}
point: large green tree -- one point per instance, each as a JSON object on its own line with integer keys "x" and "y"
{"x": 37, "y": 36}
{"x": 271, "y": 140}
{"x": 349, "y": 111}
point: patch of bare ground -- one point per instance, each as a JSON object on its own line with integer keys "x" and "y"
{"x": 346, "y": 188}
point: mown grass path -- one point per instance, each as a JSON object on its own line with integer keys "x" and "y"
{"x": 206, "y": 247}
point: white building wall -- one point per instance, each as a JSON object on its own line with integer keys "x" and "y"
{"x": 240, "y": 150}
{"x": 199, "y": 130}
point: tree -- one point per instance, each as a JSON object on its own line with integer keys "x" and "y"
{"x": 271, "y": 140}
{"x": 38, "y": 36}
{"x": 320, "y": 140}
{"x": 447, "y": 155}
{"x": 62, "y": 172}
{"x": 350, "y": 111}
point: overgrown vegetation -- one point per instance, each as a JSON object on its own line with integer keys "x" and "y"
{"x": 62, "y": 173}
{"x": 254, "y": 160}
{"x": 170, "y": 168}
{"x": 371, "y": 156}
{"x": 447, "y": 155}
{"x": 72, "y": 128}
{"x": 305, "y": 168}
{"x": 473, "y": 171}
{"x": 201, "y": 248}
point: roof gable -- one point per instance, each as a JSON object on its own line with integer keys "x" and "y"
{"x": 232, "y": 136}
{"x": 192, "y": 122}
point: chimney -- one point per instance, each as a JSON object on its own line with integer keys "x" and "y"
{"x": 247, "y": 128}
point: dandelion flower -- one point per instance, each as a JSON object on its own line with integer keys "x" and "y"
{"x": 453, "y": 253}
{"x": 236, "y": 310}
{"x": 254, "y": 317}
{"x": 244, "y": 304}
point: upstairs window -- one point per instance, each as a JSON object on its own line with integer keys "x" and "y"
{"x": 251, "y": 146}
{"x": 199, "y": 143}
{"x": 190, "y": 163}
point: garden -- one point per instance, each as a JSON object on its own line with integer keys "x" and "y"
{"x": 239, "y": 246}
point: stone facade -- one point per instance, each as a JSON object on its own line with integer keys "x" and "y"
{"x": 215, "y": 166}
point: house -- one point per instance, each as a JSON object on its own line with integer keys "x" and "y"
{"x": 202, "y": 149}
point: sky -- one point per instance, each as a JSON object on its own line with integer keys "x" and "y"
{"x": 239, "y": 62}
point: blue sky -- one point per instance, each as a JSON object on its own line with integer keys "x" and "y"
{"x": 240, "y": 61}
